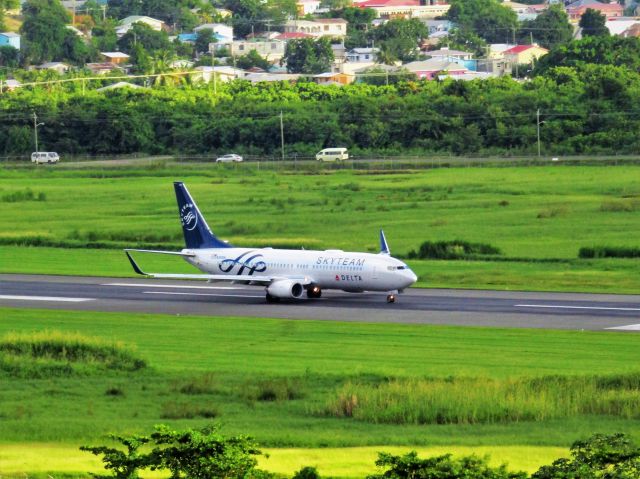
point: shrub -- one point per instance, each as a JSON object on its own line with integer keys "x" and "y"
{"x": 486, "y": 401}
{"x": 183, "y": 410}
{"x": 588, "y": 252}
{"x": 467, "y": 467}
{"x": 456, "y": 249}
{"x": 279, "y": 389}
{"x": 46, "y": 353}
{"x": 307, "y": 472}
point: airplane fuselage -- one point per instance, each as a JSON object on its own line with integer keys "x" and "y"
{"x": 331, "y": 269}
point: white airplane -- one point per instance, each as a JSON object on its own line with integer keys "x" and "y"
{"x": 285, "y": 274}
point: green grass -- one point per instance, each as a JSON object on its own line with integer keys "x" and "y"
{"x": 539, "y": 217}
{"x": 270, "y": 378}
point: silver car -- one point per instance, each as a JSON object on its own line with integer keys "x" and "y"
{"x": 228, "y": 158}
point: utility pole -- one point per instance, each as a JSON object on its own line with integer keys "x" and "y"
{"x": 282, "y": 135}
{"x": 35, "y": 129}
{"x": 538, "y": 126}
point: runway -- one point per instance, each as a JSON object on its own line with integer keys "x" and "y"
{"x": 416, "y": 306}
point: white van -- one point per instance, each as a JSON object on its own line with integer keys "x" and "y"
{"x": 44, "y": 157}
{"x": 332, "y": 154}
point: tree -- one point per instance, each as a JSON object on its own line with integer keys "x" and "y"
{"x": 9, "y": 56}
{"x": 104, "y": 36}
{"x": 4, "y": 6}
{"x": 143, "y": 34}
{"x": 252, "y": 59}
{"x": 593, "y": 23}
{"x": 308, "y": 56}
{"x": 601, "y": 456}
{"x": 465, "y": 39}
{"x": 603, "y": 50}
{"x": 548, "y": 29}
{"x": 140, "y": 60}
{"x": 124, "y": 464}
{"x": 193, "y": 454}
{"x": 44, "y": 29}
{"x": 400, "y": 39}
{"x": 469, "y": 467}
{"x": 203, "y": 38}
{"x": 255, "y": 16}
{"x": 487, "y": 18}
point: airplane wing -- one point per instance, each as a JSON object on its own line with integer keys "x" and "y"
{"x": 264, "y": 280}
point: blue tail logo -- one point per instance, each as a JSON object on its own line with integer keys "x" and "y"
{"x": 197, "y": 233}
{"x": 188, "y": 218}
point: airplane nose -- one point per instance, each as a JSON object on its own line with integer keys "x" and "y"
{"x": 413, "y": 277}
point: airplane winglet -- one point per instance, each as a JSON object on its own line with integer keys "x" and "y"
{"x": 384, "y": 247}
{"x": 136, "y": 268}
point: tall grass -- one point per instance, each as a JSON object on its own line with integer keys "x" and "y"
{"x": 46, "y": 353}
{"x": 487, "y": 401}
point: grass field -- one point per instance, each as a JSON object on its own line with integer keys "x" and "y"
{"x": 538, "y": 217}
{"x": 272, "y": 379}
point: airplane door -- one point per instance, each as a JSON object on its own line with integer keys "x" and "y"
{"x": 375, "y": 272}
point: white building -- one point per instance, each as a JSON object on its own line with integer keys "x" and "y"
{"x": 323, "y": 27}
{"x": 219, "y": 29}
{"x": 362, "y": 55}
{"x": 127, "y": 23}
{"x": 272, "y": 50}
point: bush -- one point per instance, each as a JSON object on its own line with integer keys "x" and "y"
{"x": 456, "y": 249}
{"x": 468, "y": 467}
{"x": 307, "y": 472}
{"x": 46, "y": 353}
{"x": 589, "y": 252}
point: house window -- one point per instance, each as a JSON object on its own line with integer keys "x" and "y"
{"x": 366, "y": 57}
{"x": 241, "y": 47}
{"x": 326, "y": 28}
{"x": 273, "y": 46}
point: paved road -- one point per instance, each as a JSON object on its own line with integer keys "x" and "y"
{"x": 453, "y": 307}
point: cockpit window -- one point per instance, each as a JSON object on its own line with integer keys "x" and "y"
{"x": 396, "y": 268}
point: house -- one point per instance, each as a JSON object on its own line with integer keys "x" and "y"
{"x": 322, "y": 27}
{"x": 222, "y": 32}
{"x": 101, "y": 68}
{"x": 127, "y": 23}
{"x": 575, "y": 10}
{"x": 331, "y": 78}
{"x": 58, "y": 67}
{"x": 10, "y": 39}
{"x": 447, "y": 54}
{"x": 406, "y": 8}
{"x": 272, "y": 50}
{"x": 362, "y": 55}
{"x": 430, "y": 69}
{"x": 119, "y": 85}
{"x": 437, "y": 26}
{"x": 378, "y": 71}
{"x": 271, "y": 77}
{"x": 307, "y": 7}
{"x": 524, "y": 54}
{"x": 222, "y": 74}
{"x": 292, "y": 36}
{"x": 496, "y": 50}
{"x": 618, "y": 25}
{"x": 117, "y": 58}
{"x": 9, "y": 85}
{"x": 632, "y": 31}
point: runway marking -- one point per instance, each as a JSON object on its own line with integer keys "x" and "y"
{"x": 628, "y": 327}
{"x": 45, "y": 298}
{"x": 203, "y": 294}
{"x": 561, "y": 306}
{"x": 135, "y": 285}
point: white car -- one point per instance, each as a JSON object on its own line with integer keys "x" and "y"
{"x": 230, "y": 157}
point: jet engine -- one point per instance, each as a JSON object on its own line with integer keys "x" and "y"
{"x": 285, "y": 288}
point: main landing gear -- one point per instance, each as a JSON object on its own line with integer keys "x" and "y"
{"x": 314, "y": 292}
{"x": 391, "y": 297}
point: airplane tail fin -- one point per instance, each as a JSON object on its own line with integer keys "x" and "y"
{"x": 384, "y": 247}
{"x": 197, "y": 233}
